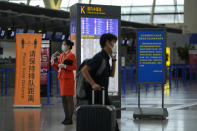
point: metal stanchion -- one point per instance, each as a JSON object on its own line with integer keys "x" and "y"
{"x": 185, "y": 75}
{"x": 195, "y": 67}
{"x": 6, "y": 82}
{"x": 190, "y": 73}
{"x": 147, "y": 87}
{"x": 155, "y": 87}
{"x": 123, "y": 80}
{"x": 2, "y": 73}
{"x": 132, "y": 78}
{"x": 170, "y": 77}
{"x": 57, "y": 89}
{"x": 176, "y": 76}
{"x": 48, "y": 91}
{"x": 182, "y": 72}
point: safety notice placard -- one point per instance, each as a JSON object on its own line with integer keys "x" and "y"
{"x": 151, "y": 56}
{"x": 27, "y": 77}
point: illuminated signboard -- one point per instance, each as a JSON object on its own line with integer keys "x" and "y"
{"x": 91, "y": 31}
{"x": 151, "y": 56}
{"x": 87, "y": 24}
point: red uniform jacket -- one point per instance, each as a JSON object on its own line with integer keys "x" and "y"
{"x": 68, "y": 72}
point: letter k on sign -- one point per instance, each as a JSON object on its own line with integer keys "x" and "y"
{"x": 82, "y": 10}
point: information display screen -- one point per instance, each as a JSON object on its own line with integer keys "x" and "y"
{"x": 151, "y": 56}
{"x": 91, "y": 31}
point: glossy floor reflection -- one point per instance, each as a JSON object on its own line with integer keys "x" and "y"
{"x": 181, "y": 103}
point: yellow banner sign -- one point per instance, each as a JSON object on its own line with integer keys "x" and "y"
{"x": 27, "y": 77}
{"x": 167, "y": 56}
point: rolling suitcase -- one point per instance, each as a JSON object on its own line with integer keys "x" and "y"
{"x": 96, "y": 117}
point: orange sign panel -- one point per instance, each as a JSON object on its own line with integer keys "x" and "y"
{"x": 27, "y": 77}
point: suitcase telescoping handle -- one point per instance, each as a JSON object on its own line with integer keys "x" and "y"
{"x": 103, "y": 96}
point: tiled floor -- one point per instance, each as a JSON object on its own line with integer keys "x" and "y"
{"x": 181, "y": 103}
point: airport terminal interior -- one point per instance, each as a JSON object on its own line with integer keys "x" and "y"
{"x": 152, "y": 53}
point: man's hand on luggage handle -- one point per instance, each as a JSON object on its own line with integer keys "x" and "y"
{"x": 96, "y": 86}
{"x": 114, "y": 57}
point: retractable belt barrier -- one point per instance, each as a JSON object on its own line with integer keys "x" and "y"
{"x": 4, "y": 80}
{"x": 176, "y": 69}
{"x": 191, "y": 69}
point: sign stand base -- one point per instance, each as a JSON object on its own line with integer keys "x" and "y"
{"x": 150, "y": 113}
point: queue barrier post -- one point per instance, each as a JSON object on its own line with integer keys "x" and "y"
{"x": 57, "y": 89}
{"x": 6, "y": 82}
{"x": 123, "y": 80}
{"x": 2, "y": 73}
{"x": 185, "y": 75}
{"x": 190, "y": 73}
{"x": 147, "y": 87}
{"x": 132, "y": 78}
{"x": 48, "y": 91}
{"x": 170, "y": 76}
{"x": 176, "y": 76}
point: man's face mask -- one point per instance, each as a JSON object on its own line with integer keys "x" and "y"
{"x": 113, "y": 48}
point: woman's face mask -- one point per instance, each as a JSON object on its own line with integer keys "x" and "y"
{"x": 63, "y": 48}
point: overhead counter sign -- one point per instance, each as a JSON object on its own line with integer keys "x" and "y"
{"x": 92, "y": 10}
{"x": 151, "y": 56}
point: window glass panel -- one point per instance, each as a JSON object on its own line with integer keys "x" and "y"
{"x": 164, "y": 2}
{"x": 141, "y": 9}
{"x": 37, "y": 2}
{"x": 85, "y": 1}
{"x": 121, "y": 2}
{"x": 125, "y": 10}
{"x": 180, "y": 2}
{"x": 179, "y": 18}
{"x": 180, "y": 8}
{"x": 140, "y": 18}
{"x": 19, "y": 1}
{"x": 102, "y": 2}
{"x": 65, "y": 3}
{"x": 125, "y": 18}
{"x": 72, "y": 2}
{"x": 164, "y": 9}
{"x": 162, "y": 19}
{"x": 142, "y": 2}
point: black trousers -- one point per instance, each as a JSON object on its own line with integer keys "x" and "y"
{"x": 68, "y": 105}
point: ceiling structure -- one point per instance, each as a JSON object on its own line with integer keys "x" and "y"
{"x": 142, "y": 11}
{"x": 14, "y": 16}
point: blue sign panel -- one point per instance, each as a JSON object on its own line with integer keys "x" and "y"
{"x": 151, "y": 56}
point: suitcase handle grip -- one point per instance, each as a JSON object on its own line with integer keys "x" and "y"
{"x": 103, "y": 96}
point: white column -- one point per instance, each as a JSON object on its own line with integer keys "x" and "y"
{"x": 152, "y": 12}
{"x": 190, "y": 17}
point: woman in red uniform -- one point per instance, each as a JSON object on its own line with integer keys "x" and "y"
{"x": 65, "y": 65}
